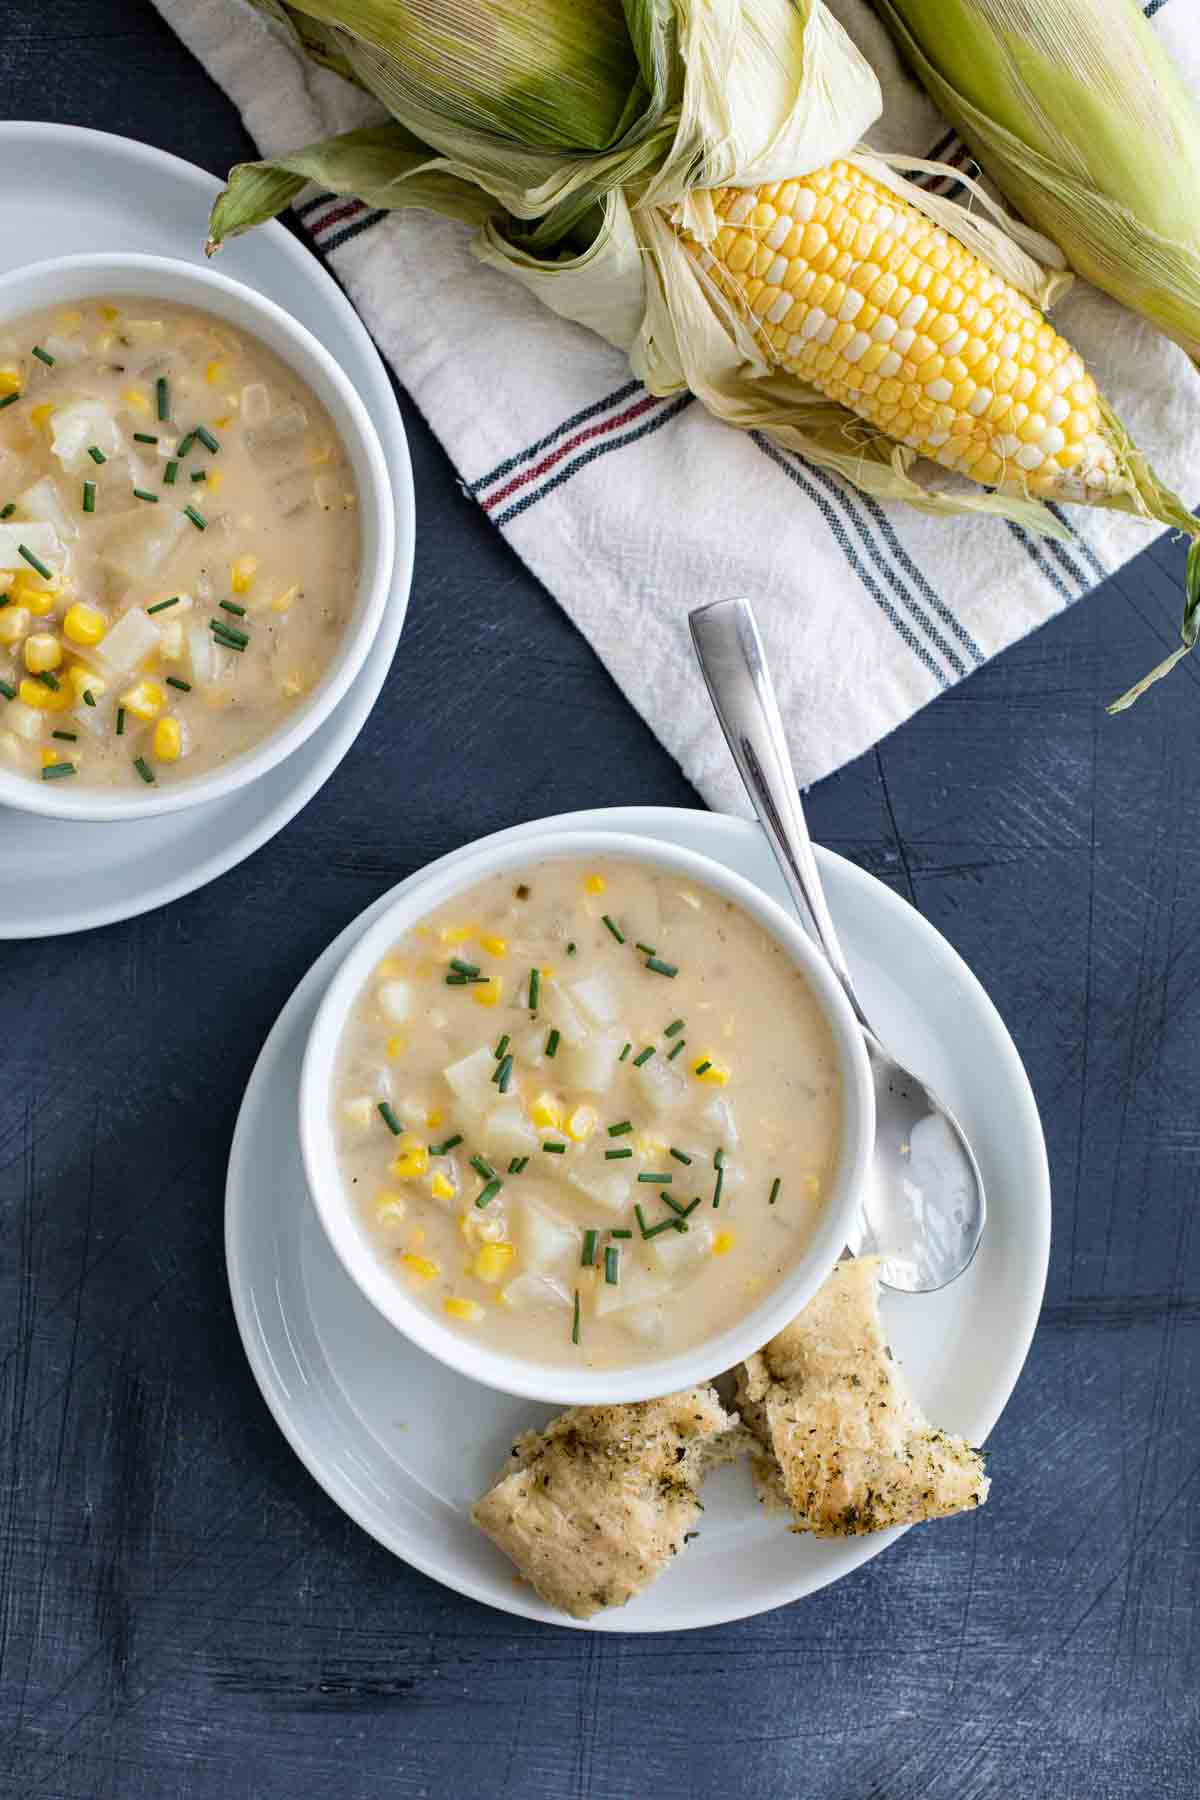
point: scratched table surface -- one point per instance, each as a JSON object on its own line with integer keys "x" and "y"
{"x": 184, "y": 1613}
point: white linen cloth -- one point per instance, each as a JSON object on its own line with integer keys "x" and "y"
{"x": 632, "y": 510}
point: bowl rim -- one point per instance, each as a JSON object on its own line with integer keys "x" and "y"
{"x": 554, "y": 1382}
{"x": 174, "y": 281}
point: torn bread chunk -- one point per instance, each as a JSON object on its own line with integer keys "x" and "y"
{"x": 842, "y": 1442}
{"x": 596, "y": 1505}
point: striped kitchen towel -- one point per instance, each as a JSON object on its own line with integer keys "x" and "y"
{"x": 632, "y": 509}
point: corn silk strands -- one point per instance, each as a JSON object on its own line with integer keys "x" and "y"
{"x": 687, "y": 179}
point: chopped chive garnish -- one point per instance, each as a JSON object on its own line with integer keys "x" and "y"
{"x": 676, "y": 1206}
{"x": 503, "y": 1067}
{"x": 144, "y": 437}
{"x": 233, "y": 607}
{"x": 206, "y": 438}
{"x": 554, "y": 1149}
{"x": 48, "y": 680}
{"x": 680, "y": 1155}
{"x": 89, "y": 496}
{"x": 170, "y": 472}
{"x": 162, "y": 394}
{"x": 43, "y": 356}
{"x": 185, "y": 687}
{"x": 144, "y": 770}
{"x": 643, "y": 1056}
{"x": 7, "y": 512}
{"x": 703, "y": 1068}
{"x": 641, "y": 1218}
{"x": 229, "y": 633}
{"x": 97, "y": 455}
{"x": 198, "y": 519}
{"x": 688, "y": 1210}
{"x": 664, "y": 1225}
{"x": 448, "y": 1144}
{"x": 517, "y": 1164}
{"x": 504, "y": 1074}
{"x": 35, "y": 562}
{"x": 575, "y": 1320}
{"x": 616, "y": 1155}
{"x": 535, "y": 988}
{"x": 9, "y": 400}
{"x": 660, "y": 1177}
{"x": 621, "y": 1130}
{"x": 719, "y": 1159}
{"x": 464, "y": 968}
{"x": 590, "y": 1241}
{"x": 648, "y": 949}
{"x": 199, "y": 474}
{"x": 7, "y": 689}
{"x": 502, "y": 1046}
{"x": 570, "y": 949}
{"x": 69, "y": 737}
{"x": 55, "y": 771}
{"x": 625, "y": 1053}
{"x": 775, "y": 1187}
{"x": 617, "y": 933}
{"x": 621, "y": 1231}
{"x": 660, "y": 967}
{"x": 489, "y": 1192}
{"x": 120, "y": 721}
{"x": 89, "y": 699}
{"x": 612, "y": 1265}
{"x": 145, "y": 494}
{"x": 672, "y": 1054}
{"x": 231, "y": 643}
{"x": 162, "y": 605}
{"x": 674, "y": 1028}
{"x": 185, "y": 443}
{"x": 5, "y": 600}
{"x": 719, "y": 1186}
{"x": 389, "y": 1118}
{"x": 484, "y": 1168}
{"x": 552, "y": 1043}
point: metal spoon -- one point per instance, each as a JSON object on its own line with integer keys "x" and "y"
{"x": 924, "y": 1209}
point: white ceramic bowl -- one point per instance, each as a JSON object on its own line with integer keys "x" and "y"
{"x": 471, "y": 1356}
{"x": 72, "y": 278}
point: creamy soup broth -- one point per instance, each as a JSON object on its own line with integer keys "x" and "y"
{"x": 179, "y": 542}
{"x": 588, "y": 1113}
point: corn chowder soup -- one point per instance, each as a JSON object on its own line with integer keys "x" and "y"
{"x": 179, "y": 545}
{"x": 588, "y": 1113}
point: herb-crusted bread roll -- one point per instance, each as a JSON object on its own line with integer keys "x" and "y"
{"x": 843, "y": 1442}
{"x": 597, "y": 1504}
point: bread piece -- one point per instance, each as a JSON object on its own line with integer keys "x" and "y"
{"x": 594, "y": 1507}
{"x": 843, "y": 1442}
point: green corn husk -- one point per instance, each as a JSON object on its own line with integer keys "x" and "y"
{"x": 579, "y": 137}
{"x": 1076, "y": 112}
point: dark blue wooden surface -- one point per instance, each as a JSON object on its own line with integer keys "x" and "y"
{"x": 184, "y": 1613}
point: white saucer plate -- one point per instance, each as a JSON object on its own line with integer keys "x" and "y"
{"x": 68, "y": 190}
{"x": 404, "y": 1446}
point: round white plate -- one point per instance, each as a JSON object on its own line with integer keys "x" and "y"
{"x": 404, "y": 1446}
{"x": 68, "y": 190}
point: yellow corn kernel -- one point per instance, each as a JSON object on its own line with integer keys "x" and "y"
{"x": 595, "y": 884}
{"x": 214, "y": 374}
{"x": 494, "y": 946}
{"x": 812, "y": 1186}
{"x": 706, "y": 1068}
{"x": 456, "y": 934}
{"x": 391, "y": 968}
{"x": 723, "y": 1243}
{"x": 440, "y": 1187}
{"x": 547, "y": 974}
{"x": 84, "y": 624}
{"x": 422, "y": 1267}
{"x": 10, "y": 380}
{"x": 580, "y": 1124}
{"x": 434, "y": 1118}
{"x": 487, "y": 993}
{"x": 42, "y": 698}
{"x": 33, "y": 594}
{"x": 42, "y": 651}
{"x": 14, "y": 623}
{"x": 84, "y": 681}
{"x": 394, "y": 1047}
{"x": 110, "y": 313}
{"x": 214, "y": 478}
{"x": 136, "y": 400}
{"x": 545, "y": 1113}
{"x": 416, "y": 1237}
{"x": 468, "y": 1310}
{"x": 168, "y": 739}
{"x": 389, "y": 1206}
{"x": 241, "y": 575}
{"x": 70, "y": 320}
{"x": 412, "y": 1161}
{"x": 49, "y": 756}
{"x": 292, "y": 687}
{"x": 493, "y": 1261}
{"x": 42, "y": 415}
{"x": 145, "y": 700}
{"x": 282, "y": 603}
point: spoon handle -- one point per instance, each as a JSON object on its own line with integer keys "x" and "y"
{"x": 731, "y": 656}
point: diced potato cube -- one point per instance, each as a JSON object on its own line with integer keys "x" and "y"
{"x": 42, "y": 539}
{"x": 592, "y": 1065}
{"x": 555, "y": 1007}
{"x": 662, "y": 1083}
{"x": 470, "y": 1080}
{"x": 141, "y": 541}
{"x": 44, "y": 503}
{"x": 531, "y": 1292}
{"x": 26, "y": 721}
{"x": 506, "y": 1131}
{"x": 547, "y": 1241}
{"x": 80, "y": 425}
{"x": 682, "y": 1252}
{"x": 132, "y": 639}
{"x": 596, "y": 996}
{"x": 395, "y": 1001}
{"x": 636, "y": 1287}
{"x": 606, "y": 1187}
{"x": 719, "y": 1120}
{"x": 359, "y": 1111}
